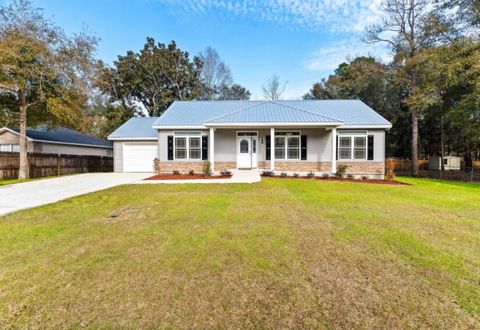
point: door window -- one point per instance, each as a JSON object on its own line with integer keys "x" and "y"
{"x": 244, "y": 146}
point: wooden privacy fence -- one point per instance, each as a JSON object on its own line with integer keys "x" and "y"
{"x": 42, "y": 165}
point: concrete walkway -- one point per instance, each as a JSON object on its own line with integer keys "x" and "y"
{"x": 239, "y": 176}
{"x": 24, "y": 195}
{"x": 245, "y": 176}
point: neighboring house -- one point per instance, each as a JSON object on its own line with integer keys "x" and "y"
{"x": 55, "y": 140}
{"x": 284, "y": 136}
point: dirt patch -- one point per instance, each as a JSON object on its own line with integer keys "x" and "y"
{"x": 186, "y": 177}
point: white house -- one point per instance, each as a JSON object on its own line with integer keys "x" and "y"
{"x": 282, "y": 136}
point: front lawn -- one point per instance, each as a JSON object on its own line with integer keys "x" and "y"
{"x": 282, "y": 253}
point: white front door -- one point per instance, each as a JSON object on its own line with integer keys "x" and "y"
{"x": 247, "y": 152}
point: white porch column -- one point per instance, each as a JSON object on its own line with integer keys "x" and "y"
{"x": 272, "y": 149}
{"x": 211, "y": 149}
{"x": 334, "y": 150}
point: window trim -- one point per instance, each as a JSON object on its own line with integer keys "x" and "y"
{"x": 11, "y": 147}
{"x": 187, "y": 136}
{"x": 352, "y": 135}
{"x": 285, "y": 135}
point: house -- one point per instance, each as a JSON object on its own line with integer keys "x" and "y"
{"x": 283, "y": 136}
{"x": 55, "y": 140}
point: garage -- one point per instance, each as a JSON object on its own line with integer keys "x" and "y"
{"x": 138, "y": 157}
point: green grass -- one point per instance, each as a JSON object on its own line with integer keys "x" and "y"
{"x": 279, "y": 254}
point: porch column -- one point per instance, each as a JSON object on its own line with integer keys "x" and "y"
{"x": 211, "y": 149}
{"x": 334, "y": 150}
{"x": 272, "y": 149}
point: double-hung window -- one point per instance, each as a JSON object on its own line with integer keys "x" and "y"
{"x": 188, "y": 145}
{"x": 9, "y": 147}
{"x": 352, "y": 145}
{"x": 287, "y": 145}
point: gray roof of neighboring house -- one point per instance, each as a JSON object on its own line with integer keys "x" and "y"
{"x": 63, "y": 135}
{"x": 136, "y": 127}
{"x": 268, "y": 111}
{"x": 197, "y": 113}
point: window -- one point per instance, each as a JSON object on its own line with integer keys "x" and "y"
{"x": 352, "y": 145}
{"x": 9, "y": 147}
{"x": 244, "y": 146}
{"x": 188, "y": 145}
{"x": 287, "y": 145}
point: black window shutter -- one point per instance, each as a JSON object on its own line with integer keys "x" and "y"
{"x": 204, "y": 147}
{"x": 267, "y": 147}
{"x": 170, "y": 147}
{"x": 370, "y": 147}
{"x": 303, "y": 151}
{"x": 336, "y": 153}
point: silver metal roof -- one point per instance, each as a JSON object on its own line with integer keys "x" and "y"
{"x": 271, "y": 112}
{"x": 199, "y": 113}
{"x": 137, "y": 128}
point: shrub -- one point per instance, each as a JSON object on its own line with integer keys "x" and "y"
{"x": 325, "y": 175}
{"x": 390, "y": 169}
{"x": 156, "y": 165}
{"x": 267, "y": 173}
{"x": 350, "y": 176}
{"x": 310, "y": 174}
{"x": 192, "y": 172}
{"x": 283, "y": 175}
{"x": 364, "y": 177}
{"x": 207, "y": 169}
{"x": 226, "y": 173}
{"x": 341, "y": 170}
{"x": 175, "y": 172}
{"x": 295, "y": 175}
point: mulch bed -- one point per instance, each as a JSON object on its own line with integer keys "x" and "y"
{"x": 372, "y": 181}
{"x": 186, "y": 177}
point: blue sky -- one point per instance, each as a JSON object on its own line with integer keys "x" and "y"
{"x": 300, "y": 41}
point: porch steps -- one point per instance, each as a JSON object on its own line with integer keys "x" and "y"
{"x": 245, "y": 176}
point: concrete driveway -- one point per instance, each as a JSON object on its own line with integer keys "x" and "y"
{"x": 35, "y": 193}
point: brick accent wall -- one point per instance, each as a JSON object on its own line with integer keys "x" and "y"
{"x": 364, "y": 167}
{"x": 302, "y": 166}
{"x": 182, "y": 167}
{"x": 220, "y": 166}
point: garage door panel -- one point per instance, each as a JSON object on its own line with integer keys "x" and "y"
{"x": 139, "y": 157}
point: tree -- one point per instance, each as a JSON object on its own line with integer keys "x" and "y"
{"x": 235, "y": 92}
{"x": 402, "y": 30}
{"x": 43, "y": 71}
{"x": 273, "y": 89}
{"x": 215, "y": 74}
{"x": 153, "y": 78}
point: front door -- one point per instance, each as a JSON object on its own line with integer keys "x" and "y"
{"x": 246, "y": 151}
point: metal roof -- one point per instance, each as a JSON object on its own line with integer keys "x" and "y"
{"x": 63, "y": 135}
{"x": 198, "y": 113}
{"x": 136, "y": 128}
{"x": 268, "y": 112}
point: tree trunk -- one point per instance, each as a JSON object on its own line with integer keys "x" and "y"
{"x": 442, "y": 142}
{"x": 23, "y": 169}
{"x": 414, "y": 142}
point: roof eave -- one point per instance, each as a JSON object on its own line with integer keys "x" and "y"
{"x": 275, "y": 124}
{"x": 366, "y": 126}
{"x": 122, "y": 138}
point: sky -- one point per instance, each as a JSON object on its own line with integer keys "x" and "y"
{"x": 301, "y": 41}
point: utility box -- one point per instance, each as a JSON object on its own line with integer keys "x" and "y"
{"x": 450, "y": 163}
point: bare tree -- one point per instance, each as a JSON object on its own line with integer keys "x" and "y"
{"x": 215, "y": 74}
{"x": 273, "y": 88}
{"x": 402, "y": 30}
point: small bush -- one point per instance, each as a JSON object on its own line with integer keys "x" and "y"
{"x": 325, "y": 175}
{"x": 283, "y": 175}
{"x": 364, "y": 177}
{"x": 192, "y": 172}
{"x": 207, "y": 168}
{"x": 156, "y": 165}
{"x": 390, "y": 169}
{"x": 341, "y": 170}
{"x": 267, "y": 173}
{"x": 175, "y": 172}
{"x": 310, "y": 174}
{"x": 350, "y": 176}
{"x": 295, "y": 175}
{"x": 226, "y": 173}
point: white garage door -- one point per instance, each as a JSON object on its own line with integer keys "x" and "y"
{"x": 138, "y": 157}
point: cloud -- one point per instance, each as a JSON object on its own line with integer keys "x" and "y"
{"x": 327, "y": 58}
{"x": 331, "y": 15}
